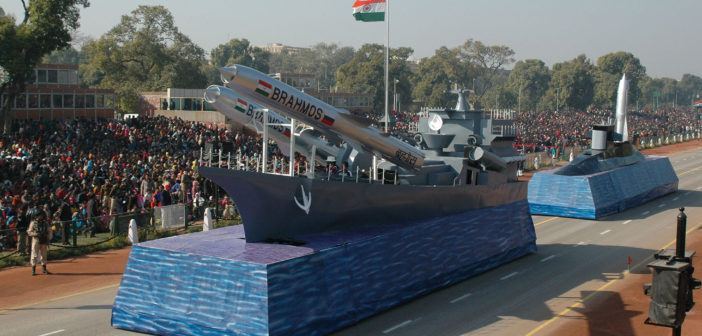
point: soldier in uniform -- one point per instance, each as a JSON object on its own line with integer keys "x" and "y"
{"x": 41, "y": 234}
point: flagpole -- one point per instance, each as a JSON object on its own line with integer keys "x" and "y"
{"x": 387, "y": 61}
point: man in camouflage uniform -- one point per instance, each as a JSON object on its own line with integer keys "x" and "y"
{"x": 41, "y": 234}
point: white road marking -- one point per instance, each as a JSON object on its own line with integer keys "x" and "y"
{"x": 662, "y": 205}
{"x": 687, "y": 193}
{"x": 698, "y": 188}
{"x": 548, "y": 258}
{"x": 605, "y": 232}
{"x": 509, "y": 275}
{"x": 386, "y": 331}
{"x": 53, "y": 332}
{"x": 579, "y": 244}
{"x": 646, "y": 213}
{"x": 626, "y": 222}
{"x": 675, "y": 199}
{"x": 460, "y": 298}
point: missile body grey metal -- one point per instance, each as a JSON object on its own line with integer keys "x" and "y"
{"x": 250, "y": 116}
{"x": 622, "y": 102}
{"x": 327, "y": 119}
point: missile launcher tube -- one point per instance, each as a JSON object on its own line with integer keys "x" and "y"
{"x": 328, "y": 119}
{"x": 249, "y": 115}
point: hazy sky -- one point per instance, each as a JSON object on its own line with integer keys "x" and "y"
{"x": 665, "y": 35}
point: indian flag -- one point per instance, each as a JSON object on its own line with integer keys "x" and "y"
{"x": 241, "y": 105}
{"x": 369, "y": 10}
{"x": 264, "y": 88}
{"x": 698, "y": 104}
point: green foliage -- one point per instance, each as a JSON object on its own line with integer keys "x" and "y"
{"x": 573, "y": 82}
{"x": 609, "y": 71}
{"x": 240, "y": 52}
{"x": 46, "y": 26}
{"x": 432, "y": 82}
{"x": 365, "y": 73}
{"x": 144, "y": 52}
{"x": 533, "y": 77}
{"x": 322, "y": 60}
{"x": 63, "y": 56}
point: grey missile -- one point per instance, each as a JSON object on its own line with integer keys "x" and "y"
{"x": 620, "y": 115}
{"x": 326, "y": 118}
{"x": 250, "y": 116}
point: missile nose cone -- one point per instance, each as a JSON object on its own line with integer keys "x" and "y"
{"x": 623, "y": 76}
{"x": 227, "y": 73}
{"x": 211, "y": 94}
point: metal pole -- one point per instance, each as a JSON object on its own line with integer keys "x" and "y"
{"x": 356, "y": 174}
{"x": 292, "y": 147}
{"x": 220, "y": 158}
{"x": 265, "y": 139}
{"x": 680, "y": 241}
{"x": 387, "y": 61}
{"x": 312, "y": 157}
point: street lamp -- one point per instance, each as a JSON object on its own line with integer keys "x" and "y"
{"x": 558, "y": 94}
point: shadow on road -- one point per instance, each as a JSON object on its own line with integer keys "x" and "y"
{"x": 546, "y": 279}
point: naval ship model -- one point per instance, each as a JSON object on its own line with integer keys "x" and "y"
{"x": 461, "y": 160}
{"x": 316, "y": 253}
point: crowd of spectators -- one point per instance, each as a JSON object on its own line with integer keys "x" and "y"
{"x": 540, "y": 130}
{"x": 84, "y": 168}
{"x": 75, "y": 169}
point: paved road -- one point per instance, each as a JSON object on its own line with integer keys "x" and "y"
{"x": 86, "y": 314}
{"x": 575, "y": 259}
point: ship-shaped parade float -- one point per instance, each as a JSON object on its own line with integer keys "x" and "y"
{"x": 317, "y": 252}
{"x": 608, "y": 178}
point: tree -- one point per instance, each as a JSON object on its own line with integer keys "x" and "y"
{"x": 435, "y": 75}
{"x": 573, "y": 82}
{"x": 238, "y": 51}
{"x": 690, "y": 89}
{"x": 63, "y": 56}
{"x": 365, "y": 73}
{"x": 487, "y": 61}
{"x": 144, "y": 52}
{"x": 533, "y": 77}
{"x": 322, "y": 60}
{"x": 609, "y": 71}
{"x": 46, "y": 26}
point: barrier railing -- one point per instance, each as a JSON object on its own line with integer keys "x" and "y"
{"x": 539, "y": 160}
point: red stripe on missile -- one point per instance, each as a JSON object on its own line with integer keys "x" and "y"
{"x": 328, "y": 120}
{"x": 265, "y": 84}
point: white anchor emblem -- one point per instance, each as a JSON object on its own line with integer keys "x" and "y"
{"x": 306, "y": 200}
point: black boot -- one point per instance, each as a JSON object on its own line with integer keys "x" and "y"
{"x": 43, "y": 269}
{"x": 34, "y": 270}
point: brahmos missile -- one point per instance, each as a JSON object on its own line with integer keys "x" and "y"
{"x": 250, "y": 116}
{"x": 622, "y": 101}
{"x": 332, "y": 121}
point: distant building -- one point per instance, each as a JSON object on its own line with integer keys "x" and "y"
{"x": 53, "y": 93}
{"x": 277, "y": 48}
{"x": 357, "y": 103}
{"x": 299, "y": 81}
{"x": 186, "y": 104}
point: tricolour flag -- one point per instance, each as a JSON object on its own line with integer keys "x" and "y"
{"x": 369, "y": 10}
{"x": 241, "y": 105}
{"x": 698, "y": 104}
{"x": 264, "y": 88}
{"x": 328, "y": 120}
